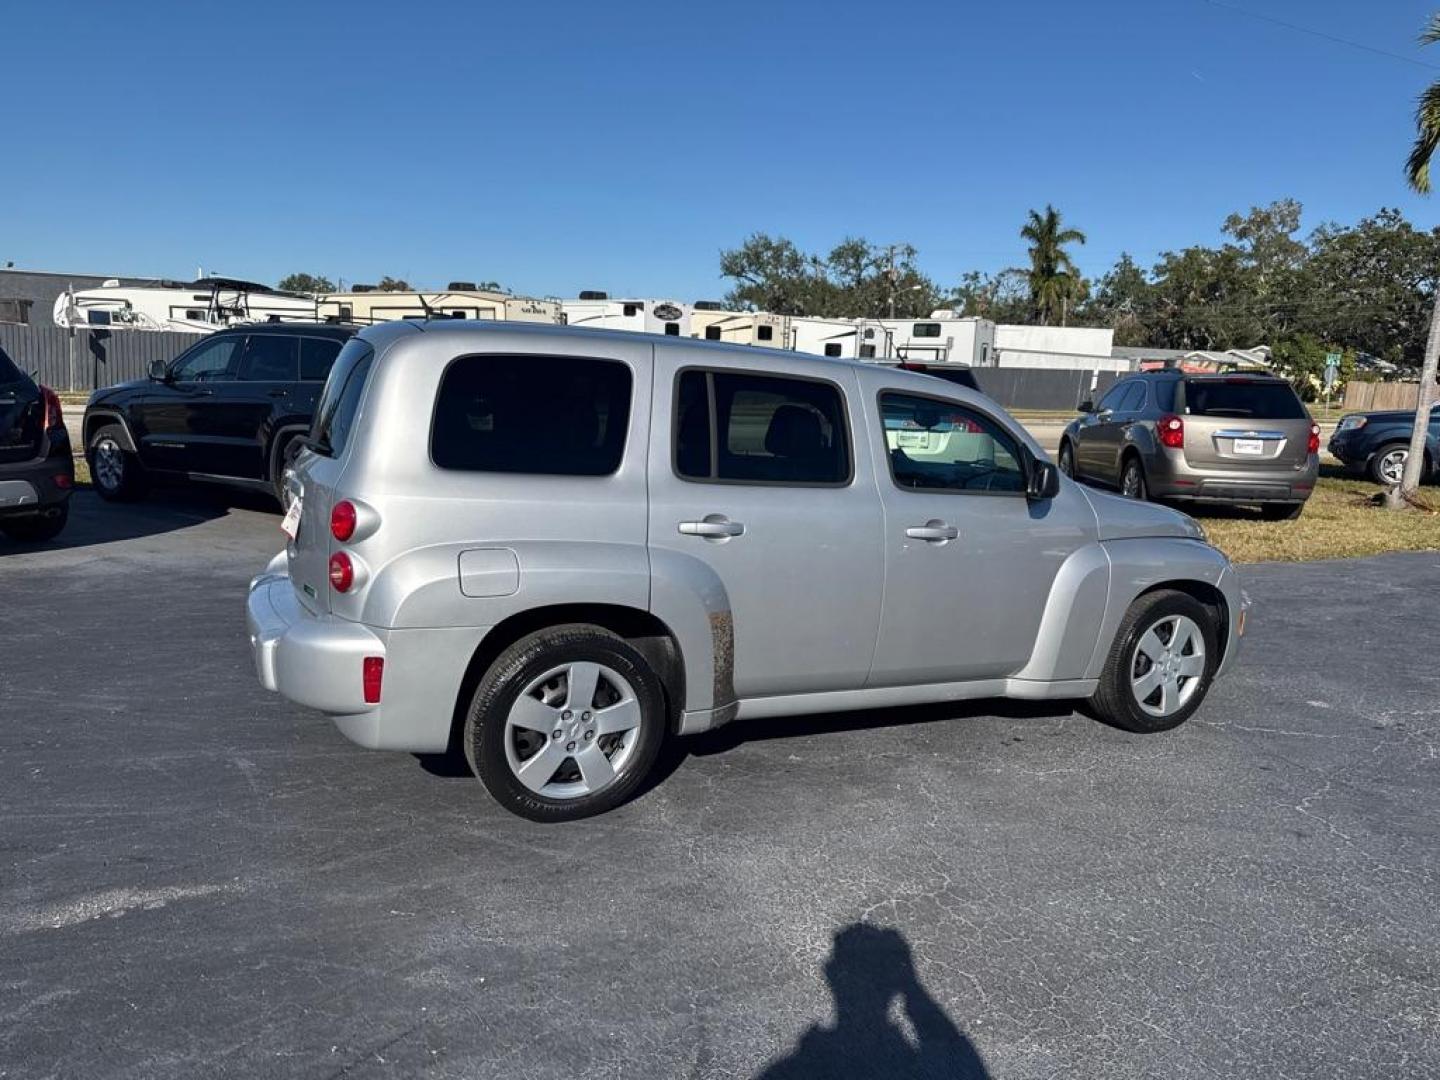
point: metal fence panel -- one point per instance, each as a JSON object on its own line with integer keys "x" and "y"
{"x": 1042, "y": 388}
{"x": 89, "y": 359}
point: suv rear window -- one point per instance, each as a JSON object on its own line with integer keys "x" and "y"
{"x": 340, "y": 400}
{"x": 1262, "y": 400}
{"x": 9, "y": 373}
{"x": 544, "y": 415}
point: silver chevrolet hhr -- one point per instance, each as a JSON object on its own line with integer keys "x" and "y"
{"x": 555, "y": 547}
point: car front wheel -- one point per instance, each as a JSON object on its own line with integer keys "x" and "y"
{"x": 116, "y": 472}
{"x": 1388, "y": 465}
{"x": 1067, "y": 459}
{"x": 565, "y": 724}
{"x": 1161, "y": 664}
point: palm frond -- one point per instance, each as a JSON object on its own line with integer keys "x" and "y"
{"x": 1427, "y": 138}
{"x": 1431, "y": 34}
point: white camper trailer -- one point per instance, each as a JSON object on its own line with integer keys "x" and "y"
{"x": 460, "y": 301}
{"x": 196, "y": 307}
{"x": 826, "y": 337}
{"x": 709, "y": 322}
{"x": 944, "y": 337}
{"x": 597, "y": 311}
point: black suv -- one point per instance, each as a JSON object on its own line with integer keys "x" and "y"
{"x": 37, "y": 473}
{"x": 227, "y": 409}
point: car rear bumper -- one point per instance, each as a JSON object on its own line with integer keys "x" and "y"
{"x": 318, "y": 661}
{"x": 37, "y": 486}
{"x": 1172, "y": 477}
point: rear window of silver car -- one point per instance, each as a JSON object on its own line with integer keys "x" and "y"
{"x": 544, "y": 415}
{"x": 1262, "y": 399}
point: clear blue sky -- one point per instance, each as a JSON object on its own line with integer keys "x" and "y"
{"x": 620, "y": 146}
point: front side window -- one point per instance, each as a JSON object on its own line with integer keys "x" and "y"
{"x": 937, "y": 445}
{"x": 760, "y": 429}
{"x": 270, "y": 358}
{"x": 544, "y": 415}
{"x": 210, "y": 361}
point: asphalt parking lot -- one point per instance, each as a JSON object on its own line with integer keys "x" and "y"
{"x": 199, "y": 879}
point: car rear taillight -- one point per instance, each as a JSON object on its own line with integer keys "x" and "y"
{"x": 342, "y": 520}
{"x": 54, "y": 415}
{"x": 1172, "y": 431}
{"x": 1313, "y": 446}
{"x": 372, "y": 676}
{"x": 342, "y": 572}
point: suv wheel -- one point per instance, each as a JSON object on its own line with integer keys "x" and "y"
{"x": 282, "y": 465}
{"x": 1132, "y": 479}
{"x": 1161, "y": 664}
{"x": 1067, "y": 459}
{"x": 1387, "y": 465}
{"x": 565, "y": 724}
{"x": 116, "y": 473}
{"x": 39, "y": 528}
{"x": 1282, "y": 511}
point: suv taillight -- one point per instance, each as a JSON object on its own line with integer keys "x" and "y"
{"x": 54, "y": 415}
{"x": 1313, "y": 446}
{"x": 342, "y": 520}
{"x": 1172, "y": 431}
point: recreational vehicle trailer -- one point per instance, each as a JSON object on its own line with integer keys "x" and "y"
{"x": 597, "y": 311}
{"x": 826, "y": 337}
{"x": 738, "y": 327}
{"x": 368, "y": 306}
{"x": 943, "y": 337}
{"x": 196, "y": 307}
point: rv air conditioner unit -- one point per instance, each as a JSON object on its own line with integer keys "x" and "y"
{"x": 593, "y": 294}
{"x": 362, "y": 288}
{"x": 707, "y": 305}
{"x": 461, "y": 286}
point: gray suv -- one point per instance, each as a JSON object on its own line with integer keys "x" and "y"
{"x": 1198, "y": 439}
{"x": 556, "y": 547}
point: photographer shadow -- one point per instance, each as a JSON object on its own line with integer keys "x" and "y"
{"x": 869, "y": 969}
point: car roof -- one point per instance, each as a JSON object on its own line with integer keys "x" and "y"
{"x": 335, "y": 330}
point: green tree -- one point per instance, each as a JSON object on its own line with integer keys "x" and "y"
{"x": 306, "y": 283}
{"x": 1055, "y": 284}
{"x": 1003, "y": 297}
{"x": 1124, "y": 300}
{"x": 390, "y": 284}
{"x": 854, "y": 279}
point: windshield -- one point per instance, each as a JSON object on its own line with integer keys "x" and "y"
{"x": 1268, "y": 400}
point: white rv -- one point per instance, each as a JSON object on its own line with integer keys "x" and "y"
{"x": 944, "y": 337}
{"x": 196, "y": 307}
{"x": 460, "y": 301}
{"x": 597, "y": 311}
{"x": 710, "y": 322}
{"x": 826, "y": 337}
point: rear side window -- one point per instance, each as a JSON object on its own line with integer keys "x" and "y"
{"x": 545, "y": 415}
{"x": 1249, "y": 398}
{"x": 9, "y": 373}
{"x": 760, "y": 429}
{"x": 316, "y": 357}
{"x": 1165, "y": 394}
{"x": 1134, "y": 399}
{"x": 270, "y": 358}
{"x": 340, "y": 400}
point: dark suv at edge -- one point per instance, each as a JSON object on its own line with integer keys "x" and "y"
{"x": 37, "y": 473}
{"x": 1379, "y": 443}
{"x": 227, "y": 409}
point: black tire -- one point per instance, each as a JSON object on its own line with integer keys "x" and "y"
{"x": 1373, "y": 466}
{"x": 130, "y": 482}
{"x": 37, "y": 529}
{"x": 1067, "y": 459}
{"x": 517, "y": 667}
{"x": 1141, "y": 490}
{"x": 1282, "y": 511}
{"x": 284, "y": 450}
{"x": 1113, "y": 700}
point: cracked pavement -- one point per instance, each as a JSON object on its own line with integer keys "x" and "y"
{"x": 199, "y": 879}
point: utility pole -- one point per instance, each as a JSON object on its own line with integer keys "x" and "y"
{"x": 1396, "y": 498}
{"x": 892, "y": 276}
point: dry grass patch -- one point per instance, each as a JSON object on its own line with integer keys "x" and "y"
{"x": 1341, "y": 521}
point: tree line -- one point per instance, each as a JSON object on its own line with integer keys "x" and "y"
{"x": 1364, "y": 288}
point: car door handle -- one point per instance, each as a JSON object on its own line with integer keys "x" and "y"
{"x": 202, "y": 393}
{"x": 279, "y": 393}
{"x": 712, "y": 527}
{"x": 934, "y": 532}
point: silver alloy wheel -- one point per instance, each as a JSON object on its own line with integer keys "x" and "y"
{"x": 108, "y": 461}
{"x": 572, "y": 730}
{"x": 1131, "y": 482}
{"x": 1391, "y": 466}
{"x": 1168, "y": 665}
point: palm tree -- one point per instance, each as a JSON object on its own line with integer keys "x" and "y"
{"x": 1417, "y": 171}
{"x": 1054, "y": 281}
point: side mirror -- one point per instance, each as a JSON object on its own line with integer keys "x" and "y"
{"x": 1044, "y": 482}
{"x": 1086, "y": 406}
{"x": 159, "y": 371}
